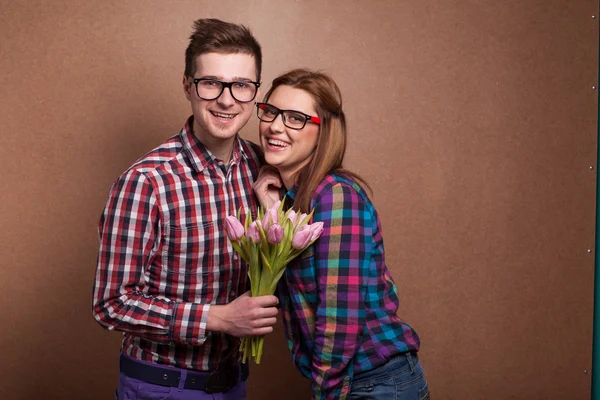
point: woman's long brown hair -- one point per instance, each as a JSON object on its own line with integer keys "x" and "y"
{"x": 331, "y": 141}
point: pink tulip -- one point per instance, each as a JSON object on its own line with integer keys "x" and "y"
{"x": 302, "y": 238}
{"x": 253, "y": 233}
{"x": 275, "y": 233}
{"x": 235, "y": 229}
{"x": 270, "y": 217}
{"x": 292, "y": 216}
{"x": 315, "y": 230}
{"x": 302, "y": 217}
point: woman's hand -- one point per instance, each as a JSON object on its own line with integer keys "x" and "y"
{"x": 267, "y": 185}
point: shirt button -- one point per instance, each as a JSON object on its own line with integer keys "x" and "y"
{"x": 232, "y": 293}
{"x": 235, "y": 256}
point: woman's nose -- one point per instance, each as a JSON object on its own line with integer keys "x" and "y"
{"x": 277, "y": 125}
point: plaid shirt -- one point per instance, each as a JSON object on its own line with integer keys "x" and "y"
{"x": 164, "y": 255}
{"x": 339, "y": 301}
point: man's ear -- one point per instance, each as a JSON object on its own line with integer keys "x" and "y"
{"x": 257, "y": 97}
{"x": 187, "y": 87}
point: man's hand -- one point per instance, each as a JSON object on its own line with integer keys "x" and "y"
{"x": 244, "y": 316}
{"x": 267, "y": 185}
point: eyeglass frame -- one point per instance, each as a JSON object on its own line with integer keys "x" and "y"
{"x": 308, "y": 117}
{"x": 226, "y": 85}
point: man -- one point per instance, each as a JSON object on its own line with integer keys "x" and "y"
{"x": 167, "y": 276}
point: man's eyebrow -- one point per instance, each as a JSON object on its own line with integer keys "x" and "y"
{"x": 233, "y": 79}
{"x": 239, "y": 78}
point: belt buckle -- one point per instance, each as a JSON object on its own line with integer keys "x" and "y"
{"x": 221, "y": 380}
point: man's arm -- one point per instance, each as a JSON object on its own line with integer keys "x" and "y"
{"x": 244, "y": 316}
{"x": 129, "y": 238}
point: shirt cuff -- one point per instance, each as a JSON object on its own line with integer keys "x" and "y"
{"x": 189, "y": 323}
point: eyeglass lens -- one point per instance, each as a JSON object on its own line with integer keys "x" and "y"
{"x": 211, "y": 89}
{"x": 291, "y": 119}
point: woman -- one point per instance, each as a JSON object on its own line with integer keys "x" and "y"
{"x": 338, "y": 299}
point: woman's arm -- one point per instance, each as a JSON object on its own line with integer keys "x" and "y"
{"x": 342, "y": 259}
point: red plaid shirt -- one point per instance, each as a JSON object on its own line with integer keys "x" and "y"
{"x": 164, "y": 255}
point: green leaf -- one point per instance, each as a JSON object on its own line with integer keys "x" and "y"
{"x": 261, "y": 213}
{"x": 247, "y": 221}
{"x": 254, "y": 270}
{"x": 276, "y": 279}
{"x": 263, "y": 235}
{"x": 305, "y": 221}
{"x": 240, "y": 251}
{"x": 265, "y": 261}
{"x": 281, "y": 207}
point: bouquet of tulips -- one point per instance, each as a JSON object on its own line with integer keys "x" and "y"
{"x": 267, "y": 245}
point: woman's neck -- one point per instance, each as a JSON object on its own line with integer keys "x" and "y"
{"x": 288, "y": 178}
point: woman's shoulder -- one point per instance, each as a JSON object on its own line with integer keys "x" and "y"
{"x": 337, "y": 185}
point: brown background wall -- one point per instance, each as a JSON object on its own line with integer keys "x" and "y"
{"x": 475, "y": 122}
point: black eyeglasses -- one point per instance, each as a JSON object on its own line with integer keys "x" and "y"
{"x": 291, "y": 118}
{"x": 210, "y": 89}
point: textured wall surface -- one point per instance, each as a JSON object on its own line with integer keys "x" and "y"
{"x": 474, "y": 121}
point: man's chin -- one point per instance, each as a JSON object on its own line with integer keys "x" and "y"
{"x": 223, "y": 134}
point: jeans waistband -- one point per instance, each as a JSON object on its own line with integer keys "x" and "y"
{"x": 409, "y": 358}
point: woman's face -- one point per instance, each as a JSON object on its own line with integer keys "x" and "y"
{"x": 288, "y": 149}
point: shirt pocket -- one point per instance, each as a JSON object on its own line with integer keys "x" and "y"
{"x": 188, "y": 249}
{"x": 300, "y": 273}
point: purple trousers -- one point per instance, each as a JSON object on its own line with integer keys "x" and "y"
{"x": 134, "y": 389}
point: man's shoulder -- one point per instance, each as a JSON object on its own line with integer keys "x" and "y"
{"x": 159, "y": 156}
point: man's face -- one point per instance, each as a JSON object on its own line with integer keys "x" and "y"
{"x": 217, "y": 121}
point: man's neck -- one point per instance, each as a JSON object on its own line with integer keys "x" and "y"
{"x": 220, "y": 148}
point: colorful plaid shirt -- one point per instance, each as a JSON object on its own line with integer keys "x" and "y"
{"x": 164, "y": 255}
{"x": 339, "y": 301}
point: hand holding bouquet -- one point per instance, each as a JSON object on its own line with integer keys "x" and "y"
{"x": 267, "y": 245}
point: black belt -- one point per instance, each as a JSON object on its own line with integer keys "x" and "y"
{"x": 218, "y": 381}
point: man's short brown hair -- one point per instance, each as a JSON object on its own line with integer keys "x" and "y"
{"x": 213, "y": 35}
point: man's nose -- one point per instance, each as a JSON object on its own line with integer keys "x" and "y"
{"x": 226, "y": 98}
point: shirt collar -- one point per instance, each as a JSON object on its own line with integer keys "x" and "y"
{"x": 290, "y": 195}
{"x": 200, "y": 156}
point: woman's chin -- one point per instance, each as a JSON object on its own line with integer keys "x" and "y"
{"x": 273, "y": 161}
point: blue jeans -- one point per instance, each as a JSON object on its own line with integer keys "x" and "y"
{"x": 401, "y": 378}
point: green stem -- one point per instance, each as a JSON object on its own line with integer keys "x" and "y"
{"x": 243, "y": 350}
{"x": 261, "y": 341}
